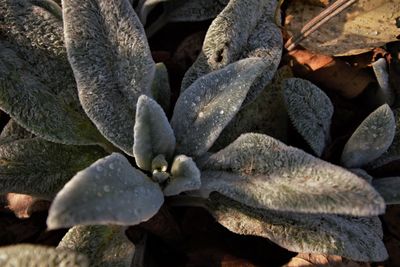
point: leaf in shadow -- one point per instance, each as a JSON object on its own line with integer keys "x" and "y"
{"x": 358, "y": 239}
{"x": 104, "y": 245}
{"x": 371, "y": 139}
{"x": 389, "y": 189}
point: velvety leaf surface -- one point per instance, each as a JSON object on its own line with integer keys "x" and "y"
{"x": 152, "y": 132}
{"x": 244, "y": 29}
{"x": 110, "y": 191}
{"x": 185, "y": 176}
{"x": 371, "y": 139}
{"x": 266, "y": 114}
{"x": 310, "y": 111}
{"x": 261, "y": 172}
{"x": 13, "y": 131}
{"x": 358, "y": 239}
{"x": 28, "y": 100}
{"x": 362, "y": 174}
{"x": 104, "y": 245}
{"x": 40, "y": 168}
{"x": 208, "y": 105}
{"x": 108, "y": 51}
{"x": 161, "y": 91}
{"x": 30, "y": 255}
{"x": 393, "y": 152}
{"x": 389, "y": 189}
{"x": 36, "y": 79}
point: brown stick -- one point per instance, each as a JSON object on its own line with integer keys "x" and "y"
{"x": 319, "y": 20}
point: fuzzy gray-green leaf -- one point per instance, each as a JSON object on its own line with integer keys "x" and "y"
{"x": 244, "y": 29}
{"x": 104, "y": 245}
{"x": 41, "y": 168}
{"x": 393, "y": 152}
{"x": 261, "y": 172}
{"x": 36, "y": 80}
{"x": 31, "y": 255}
{"x": 110, "y": 191}
{"x": 310, "y": 111}
{"x": 34, "y": 105}
{"x": 266, "y": 114}
{"x": 185, "y": 176}
{"x": 152, "y": 132}
{"x": 208, "y": 105}
{"x": 371, "y": 139}
{"x": 389, "y": 188}
{"x": 359, "y": 239}
{"x": 112, "y": 63}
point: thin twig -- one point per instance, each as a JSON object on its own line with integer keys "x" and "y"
{"x": 323, "y": 17}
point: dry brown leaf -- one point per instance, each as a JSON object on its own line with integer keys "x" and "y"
{"x": 329, "y": 72}
{"x": 365, "y": 25}
{"x": 23, "y": 205}
{"x": 307, "y": 259}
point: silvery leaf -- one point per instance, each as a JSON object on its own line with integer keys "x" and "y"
{"x": 310, "y": 111}
{"x": 110, "y": 191}
{"x": 41, "y": 168}
{"x": 266, "y": 114}
{"x": 208, "y": 105}
{"x": 112, "y": 63}
{"x": 261, "y": 172}
{"x": 371, "y": 139}
{"x": 31, "y": 255}
{"x": 244, "y": 29}
{"x": 393, "y": 152}
{"x": 185, "y": 176}
{"x": 152, "y": 132}
{"x": 358, "y": 239}
{"x": 104, "y": 245}
{"x": 37, "y": 106}
{"x": 13, "y": 131}
{"x": 389, "y": 189}
{"x": 160, "y": 89}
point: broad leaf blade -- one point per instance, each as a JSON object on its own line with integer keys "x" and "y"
{"x": 243, "y": 29}
{"x": 152, "y": 132}
{"x": 389, "y": 188}
{"x": 185, "y": 176}
{"x": 358, "y": 239}
{"x": 111, "y": 60}
{"x": 393, "y": 152}
{"x": 371, "y": 139}
{"x": 266, "y": 114}
{"x": 209, "y": 104}
{"x": 145, "y": 7}
{"x": 26, "y": 98}
{"x": 36, "y": 80}
{"x": 110, "y": 191}
{"x": 30, "y": 255}
{"x": 310, "y": 111}
{"x": 103, "y": 245}
{"x": 261, "y": 172}
{"x": 41, "y": 168}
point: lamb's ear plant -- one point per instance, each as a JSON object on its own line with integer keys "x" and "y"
{"x": 274, "y": 190}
